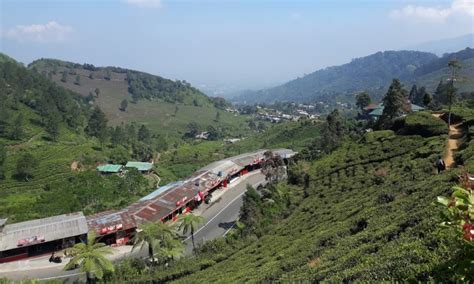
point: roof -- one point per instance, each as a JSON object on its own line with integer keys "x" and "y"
{"x": 285, "y": 153}
{"x": 141, "y": 166}
{"x": 416, "y": 107}
{"x": 43, "y": 230}
{"x": 379, "y": 110}
{"x": 161, "y": 190}
{"x": 111, "y": 220}
{"x": 372, "y": 106}
{"x": 109, "y": 168}
{"x": 376, "y": 112}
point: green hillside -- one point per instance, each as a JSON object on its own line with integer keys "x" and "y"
{"x": 365, "y": 213}
{"x": 464, "y": 83}
{"x": 165, "y": 106}
{"x": 51, "y": 125}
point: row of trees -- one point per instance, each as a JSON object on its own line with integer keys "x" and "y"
{"x": 397, "y": 100}
{"x": 161, "y": 240}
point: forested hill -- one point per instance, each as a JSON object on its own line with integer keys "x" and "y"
{"x": 371, "y": 73}
{"x": 29, "y": 102}
{"x": 126, "y": 96}
{"x": 140, "y": 85}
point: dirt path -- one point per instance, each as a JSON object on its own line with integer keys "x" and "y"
{"x": 454, "y": 136}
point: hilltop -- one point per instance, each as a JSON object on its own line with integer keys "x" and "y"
{"x": 371, "y": 73}
{"x": 164, "y": 105}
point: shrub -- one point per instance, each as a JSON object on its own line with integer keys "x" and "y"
{"x": 424, "y": 124}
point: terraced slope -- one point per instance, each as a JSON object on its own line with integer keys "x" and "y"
{"x": 365, "y": 215}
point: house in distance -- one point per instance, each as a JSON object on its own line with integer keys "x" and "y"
{"x": 142, "y": 167}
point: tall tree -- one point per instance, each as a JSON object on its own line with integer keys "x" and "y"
{"x": 97, "y": 125}
{"x": 3, "y": 157}
{"x": 118, "y": 136}
{"x": 333, "y": 131}
{"x": 454, "y": 65}
{"x": 193, "y": 129}
{"x": 17, "y": 128}
{"x": 154, "y": 236}
{"x": 427, "y": 98}
{"x": 64, "y": 77}
{"x": 91, "y": 258}
{"x": 144, "y": 134}
{"x": 25, "y": 166}
{"x": 412, "y": 96}
{"x": 124, "y": 105}
{"x": 78, "y": 80}
{"x": 52, "y": 127}
{"x": 189, "y": 223}
{"x": 363, "y": 100}
{"x": 419, "y": 99}
{"x": 395, "y": 102}
{"x": 441, "y": 93}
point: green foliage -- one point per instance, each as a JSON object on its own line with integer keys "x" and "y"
{"x": 458, "y": 214}
{"x": 91, "y": 258}
{"x": 380, "y": 135}
{"x": 146, "y": 86}
{"x": 345, "y": 226}
{"x": 333, "y": 132}
{"x": 97, "y": 125}
{"x": 362, "y": 100}
{"x": 78, "y": 80}
{"x": 25, "y": 166}
{"x": 395, "y": 102}
{"x": 3, "y": 157}
{"x": 189, "y": 223}
{"x": 124, "y": 105}
{"x": 425, "y": 124}
{"x": 161, "y": 241}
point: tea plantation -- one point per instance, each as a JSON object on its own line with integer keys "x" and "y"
{"x": 365, "y": 213}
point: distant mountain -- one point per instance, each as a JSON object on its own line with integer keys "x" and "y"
{"x": 431, "y": 73}
{"x": 372, "y": 73}
{"x": 440, "y": 47}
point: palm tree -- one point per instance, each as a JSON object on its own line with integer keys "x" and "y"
{"x": 173, "y": 249}
{"x": 158, "y": 237}
{"x": 189, "y": 223}
{"x": 91, "y": 258}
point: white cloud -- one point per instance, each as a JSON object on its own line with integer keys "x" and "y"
{"x": 49, "y": 32}
{"x": 436, "y": 13}
{"x": 145, "y": 3}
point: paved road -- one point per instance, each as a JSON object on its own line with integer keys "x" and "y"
{"x": 219, "y": 217}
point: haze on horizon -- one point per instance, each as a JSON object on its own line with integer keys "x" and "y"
{"x": 227, "y": 45}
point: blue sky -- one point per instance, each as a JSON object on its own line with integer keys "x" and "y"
{"x": 235, "y": 44}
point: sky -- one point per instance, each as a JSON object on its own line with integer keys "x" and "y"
{"x": 224, "y": 44}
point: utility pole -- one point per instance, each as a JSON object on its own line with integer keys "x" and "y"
{"x": 454, "y": 65}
